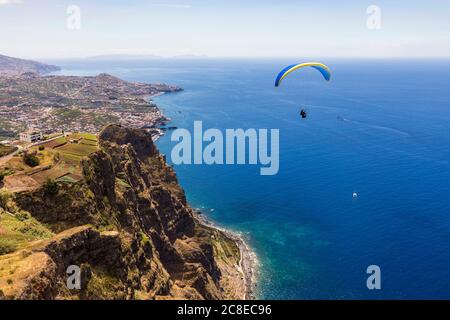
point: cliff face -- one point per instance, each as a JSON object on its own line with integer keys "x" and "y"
{"x": 128, "y": 227}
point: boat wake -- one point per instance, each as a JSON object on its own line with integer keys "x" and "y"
{"x": 377, "y": 127}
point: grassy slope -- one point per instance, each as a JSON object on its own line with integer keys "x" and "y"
{"x": 5, "y": 150}
{"x": 17, "y": 231}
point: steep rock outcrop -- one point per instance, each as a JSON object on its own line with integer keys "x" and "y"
{"x": 130, "y": 230}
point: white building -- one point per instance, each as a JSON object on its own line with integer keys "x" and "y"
{"x": 31, "y": 136}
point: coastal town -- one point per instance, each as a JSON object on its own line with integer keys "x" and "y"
{"x": 49, "y": 123}
{"x": 54, "y": 104}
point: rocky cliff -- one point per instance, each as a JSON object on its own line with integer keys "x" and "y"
{"x": 127, "y": 226}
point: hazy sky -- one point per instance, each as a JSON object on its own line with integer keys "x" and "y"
{"x": 250, "y": 28}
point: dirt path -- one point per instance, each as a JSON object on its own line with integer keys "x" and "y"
{"x": 5, "y": 159}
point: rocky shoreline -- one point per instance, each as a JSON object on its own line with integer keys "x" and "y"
{"x": 249, "y": 261}
{"x": 248, "y": 264}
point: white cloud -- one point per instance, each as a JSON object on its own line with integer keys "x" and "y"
{"x": 5, "y": 2}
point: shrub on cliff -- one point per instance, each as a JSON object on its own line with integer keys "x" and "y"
{"x": 30, "y": 159}
{"x": 4, "y": 173}
{"x": 50, "y": 187}
{"x": 5, "y": 197}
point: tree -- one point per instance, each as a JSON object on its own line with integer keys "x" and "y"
{"x": 30, "y": 159}
{"x": 50, "y": 187}
{"x": 5, "y": 197}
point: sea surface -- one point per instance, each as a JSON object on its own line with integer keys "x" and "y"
{"x": 380, "y": 128}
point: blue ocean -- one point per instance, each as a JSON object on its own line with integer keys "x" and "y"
{"x": 379, "y": 128}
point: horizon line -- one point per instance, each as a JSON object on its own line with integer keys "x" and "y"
{"x": 206, "y": 57}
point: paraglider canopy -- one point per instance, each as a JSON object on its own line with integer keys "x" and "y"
{"x": 324, "y": 70}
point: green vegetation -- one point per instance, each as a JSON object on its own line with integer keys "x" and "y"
{"x": 18, "y": 230}
{"x": 30, "y": 159}
{"x": 56, "y": 143}
{"x": 101, "y": 120}
{"x": 59, "y": 159}
{"x": 72, "y": 152}
{"x": 77, "y": 149}
{"x": 67, "y": 114}
{"x": 5, "y": 150}
{"x": 5, "y": 172}
{"x": 71, "y": 158}
{"x": 123, "y": 185}
{"x": 67, "y": 179}
{"x": 85, "y": 135}
{"x": 225, "y": 248}
{"x": 89, "y": 142}
{"x": 7, "y": 129}
{"x": 51, "y": 136}
{"x": 5, "y": 197}
{"x": 102, "y": 284}
{"x": 145, "y": 240}
{"x": 50, "y": 187}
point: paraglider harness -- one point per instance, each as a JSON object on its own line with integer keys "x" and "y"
{"x": 303, "y": 113}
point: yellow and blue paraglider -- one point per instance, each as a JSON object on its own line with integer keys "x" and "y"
{"x": 324, "y": 70}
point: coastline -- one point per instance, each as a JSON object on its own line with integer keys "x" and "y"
{"x": 244, "y": 271}
{"x": 158, "y": 132}
{"x": 249, "y": 262}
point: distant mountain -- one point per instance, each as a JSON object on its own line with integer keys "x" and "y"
{"x": 130, "y": 57}
{"x": 117, "y": 57}
{"x": 9, "y": 65}
{"x": 191, "y": 56}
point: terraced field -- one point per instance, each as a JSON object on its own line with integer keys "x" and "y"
{"x": 85, "y": 136}
{"x": 59, "y": 160}
{"x": 5, "y": 150}
{"x": 74, "y": 152}
{"x": 55, "y": 143}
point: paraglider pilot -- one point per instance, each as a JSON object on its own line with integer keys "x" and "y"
{"x": 323, "y": 69}
{"x": 303, "y": 113}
